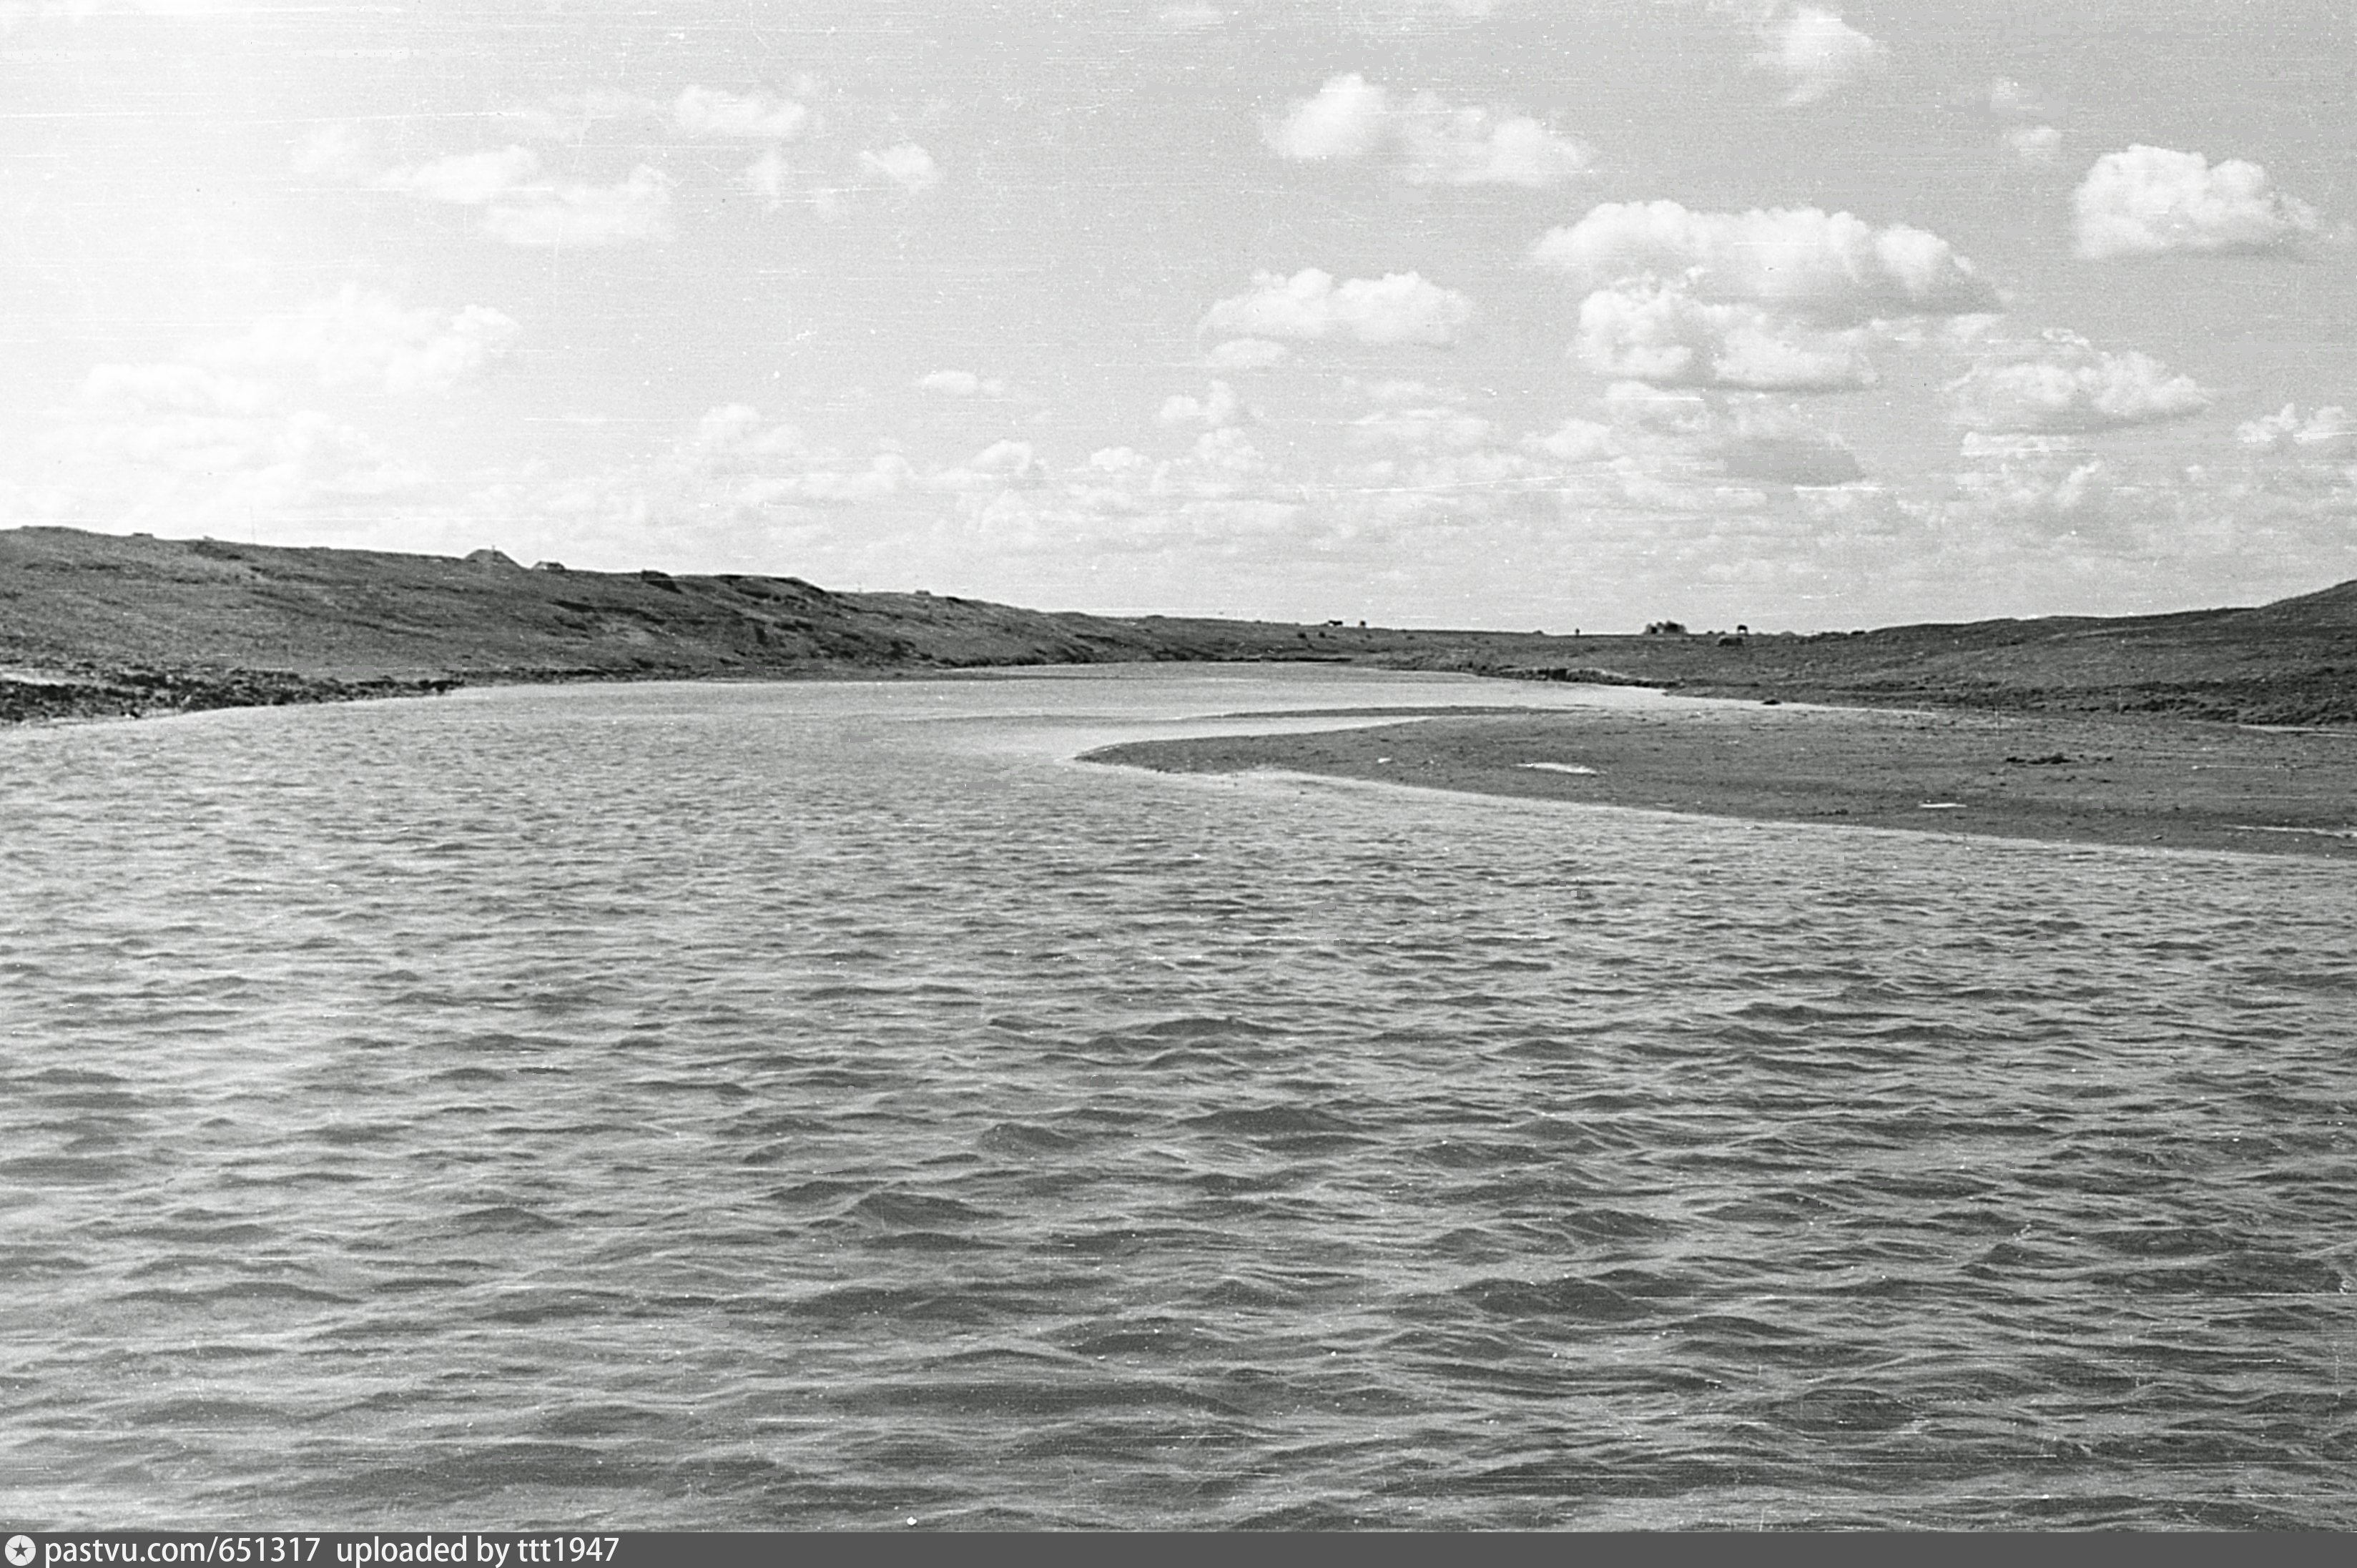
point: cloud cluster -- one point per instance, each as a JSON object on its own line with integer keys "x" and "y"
{"x": 464, "y": 179}
{"x": 1399, "y": 307}
{"x": 753, "y": 465}
{"x": 1218, "y": 406}
{"x": 365, "y": 337}
{"x": 1785, "y": 300}
{"x": 1705, "y": 504}
{"x": 524, "y": 207}
{"x": 963, "y": 384}
{"x": 2036, "y": 145}
{"x": 1691, "y": 435}
{"x": 2152, "y": 201}
{"x": 2327, "y": 431}
{"x": 2027, "y": 133}
{"x": 698, "y": 113}
{"x": 1815, "y": 52}
{"x": 907, "y": 165}
{"x": 178, "y": 443}
{"x": 217, "y": 436}
{"x": 1830, "y": 267}
{"x": 1351, "y": 117}
{"x": 1645, "y": 331}
{"x": 1423, "y": 481}
{"x": 572, "y": 212}
{"x": 758, "y": 116}
{"x": 2063, "y": 383}
{"x": 1421, "y": 429}
{"x": 526, "y": 203}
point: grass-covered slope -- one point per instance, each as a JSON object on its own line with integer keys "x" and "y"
{"x": 2293, "y": 661}
{"x": 101, "y": 624}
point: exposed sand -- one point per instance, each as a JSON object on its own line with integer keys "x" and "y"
{"x": 2175, "y": 784}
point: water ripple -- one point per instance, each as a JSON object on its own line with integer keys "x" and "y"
{"x": 816, "y": 1106}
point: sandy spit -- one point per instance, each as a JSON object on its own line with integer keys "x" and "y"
{"x": 2065, "y": 778}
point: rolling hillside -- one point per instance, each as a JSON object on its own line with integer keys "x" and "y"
{"x": 94, "y": 624}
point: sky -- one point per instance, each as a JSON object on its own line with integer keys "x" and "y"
{"x": 1512, "y": 314}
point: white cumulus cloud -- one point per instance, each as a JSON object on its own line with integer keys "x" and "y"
{"x": 2326, "y": 431}
{"x": 1816, "y": 53}
{"x": 1480, "y": 147}
{"x": 961, "y": 383}
{"x": 907, "y": 165}
{"x": 525, "y": 209}
{"x": 365, "y": 337}
{"x": 2063, "y": 384}
{"x": 182, "y": 445}
{"x": 175, "y": 387}
{"x": 1399, "y": 307}
{"x": 2035, "y": 144}
{"x": 1351, "y": 117}
{"x": 766, "y": 178}
{"x": 574, "y": 213}
{"x": 1438, "y": 429}
{"x": 1002, "y": 465}
{"x": 466, "y": 179}
{"x": 1646, "y": 332}
{"x": 757, "y": 116}
{"x": 2009, "y": 99}
{"x": 333, "y": 152}
{"x": 2152, "y": 201}
{"x": 1217, "y": 407}
{"x": 738, "y": 465}
{"x": 1833, "y": 267}
{"x": 571, "y": 116}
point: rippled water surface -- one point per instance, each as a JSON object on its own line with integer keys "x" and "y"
{"x": 790, "y": 1106}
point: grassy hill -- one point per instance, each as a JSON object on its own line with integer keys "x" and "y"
{"x": 2293, "y": 663}
{"x": 101, "y": 624}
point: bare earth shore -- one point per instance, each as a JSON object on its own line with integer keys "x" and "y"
{"x": 2069, "y": 777}
{"x": 2123, "y": 730}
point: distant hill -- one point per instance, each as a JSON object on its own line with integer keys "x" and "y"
{"x": 99, "y": 623}
{"x": 2290, "y": 663}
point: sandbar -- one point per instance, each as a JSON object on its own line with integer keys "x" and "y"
{"x": 2155, "y": 783}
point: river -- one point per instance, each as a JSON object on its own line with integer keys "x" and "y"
{"x": 830, "y": 1105}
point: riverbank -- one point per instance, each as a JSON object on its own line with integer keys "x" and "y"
{"x": 31, "y": 695}
{"x": 101, "y": 625}
{"x": 2147, "y": 781}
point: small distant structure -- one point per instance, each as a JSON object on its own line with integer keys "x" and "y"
{"x": 548, "y": 565}
{"x": 489, "y": 557}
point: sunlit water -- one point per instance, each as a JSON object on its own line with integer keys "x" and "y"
{"x": 829, "y": 1105}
